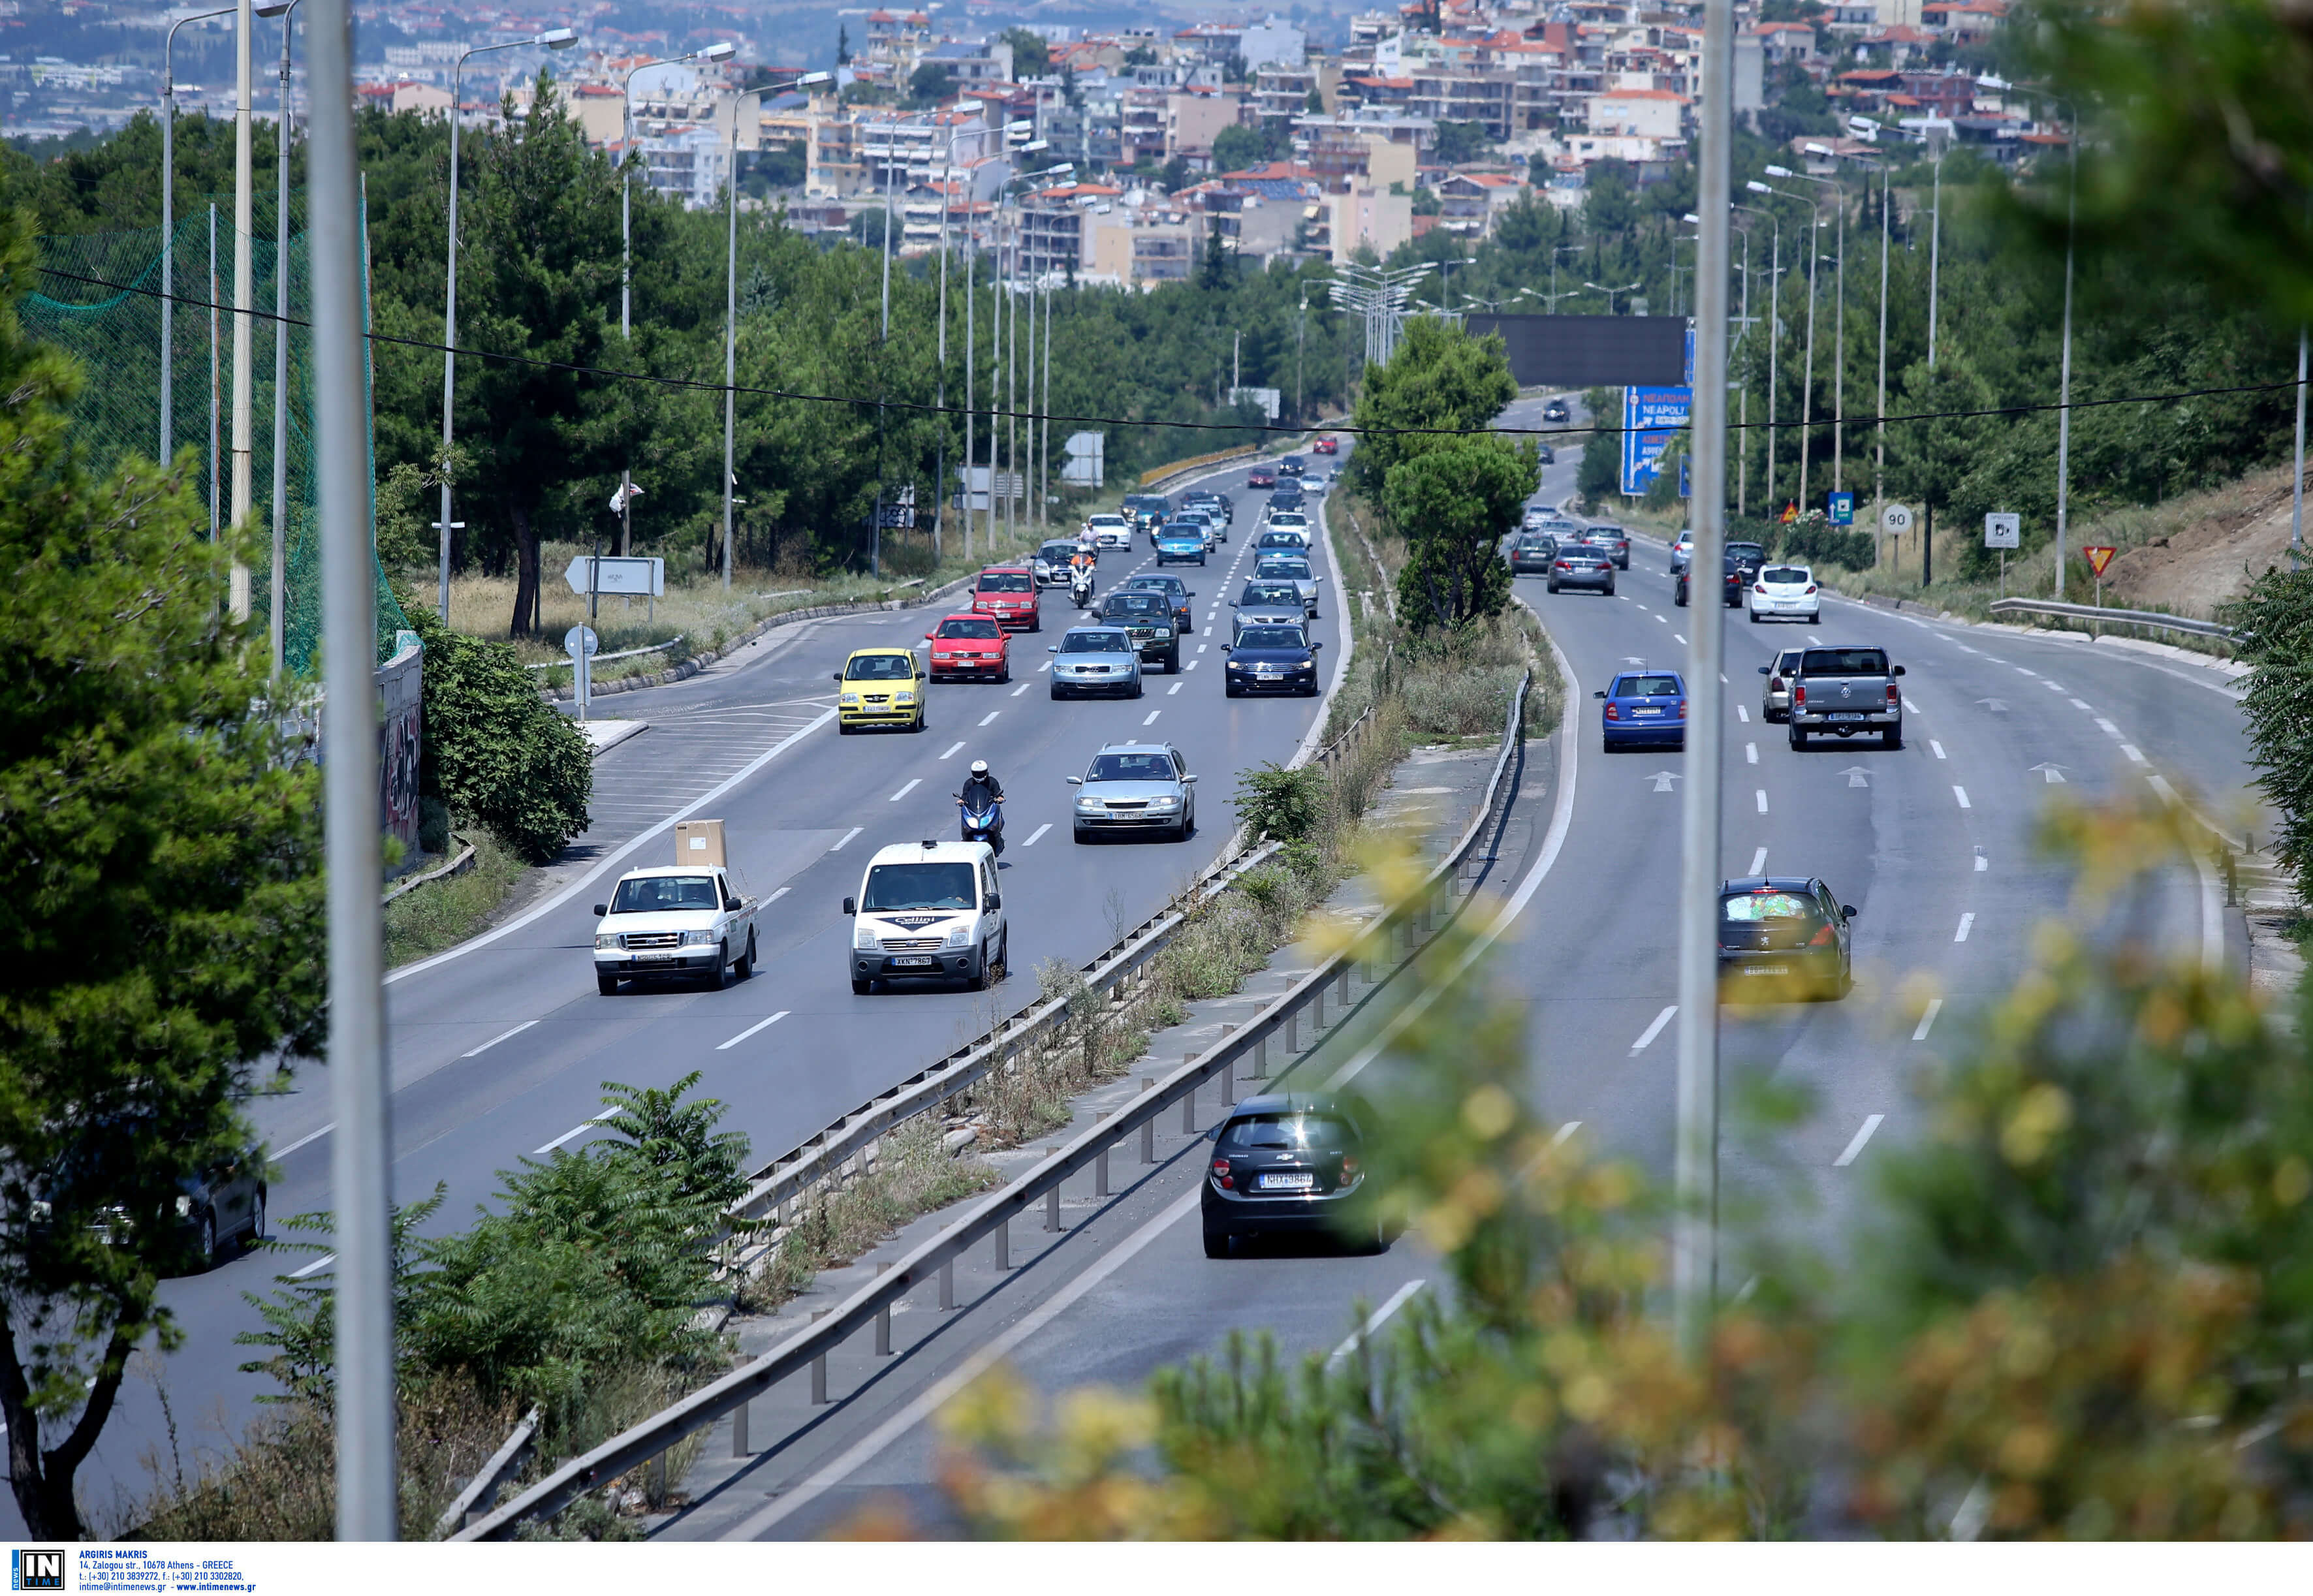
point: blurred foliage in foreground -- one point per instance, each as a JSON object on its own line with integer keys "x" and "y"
{"x": 2065, "y": 1305}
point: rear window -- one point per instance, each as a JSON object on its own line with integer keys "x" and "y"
{"x": 970, "y": 628}
{"x": 1006, "y": 582}
{"x": 1647, "y": 687}
{"x": 1763, "y": 908}
{"x": 1284, "y": 567}
{"x": 1534, "y": 543}
{"x": 1153, "y": 584}
{"x": 1784, "y": 574}
{"x": 1295, "y": 1133}
{"x": 1614, "y": 532}
{"x": 1748, "y": 551}
{"x": 658, "y": 893}
{"x": 1271, "y": 592}
{"x": 1057, "y": 553}
{"x": 1844, "y": 662}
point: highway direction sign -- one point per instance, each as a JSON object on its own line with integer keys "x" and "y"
{"x": 630, "y": 575}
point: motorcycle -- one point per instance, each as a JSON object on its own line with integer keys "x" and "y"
{"x": 985, "y": 825}
{"x": 1080, "y": 588}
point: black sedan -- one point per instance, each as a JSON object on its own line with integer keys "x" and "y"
{"x": 1781, "y": 938}
{"x": 1577, "y": 565}
{"x": 1731, "y": 584}
{"x": 1555, "y": 412}
{"x": 1290, "y": 1162}
{"x": 1271, "y": 660}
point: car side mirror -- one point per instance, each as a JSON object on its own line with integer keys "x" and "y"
{"x": 851, "y": 906}
{"x": 1847, "y": 911}
{"x": 835, "y": 676}
{"x": 1314, "y": 646}
{"x": 1075, "y": 781}
{"x": 928, "y": 636}
{"x": 1229, "y": 648}
{"x": 601, "y": 909}
{"x": 1763, "y": 670}
{"x": 1897, "y": 671}
{"x": 1051, "y": 648}
{"x": 994, "y": 901}
{"x": 1599, "y": 694}
{"x": 1188, "y": 781}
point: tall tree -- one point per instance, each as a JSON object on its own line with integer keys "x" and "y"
{"x": 160, "y": 907}
{"x": 1440, "y": 380}
{"x": 1453, "y": 506}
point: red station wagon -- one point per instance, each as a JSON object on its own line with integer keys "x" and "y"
{"x": 1328, "y": 444}
{"x": 970, "y": 647}
{"x": 1009, "y": 592}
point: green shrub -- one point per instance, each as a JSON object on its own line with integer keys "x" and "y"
{"x": 493, "y": 749}
{"x": 1274, "y": 802}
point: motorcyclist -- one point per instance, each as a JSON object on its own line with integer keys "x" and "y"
{"x": 981, "y": 792}
{"x": 1080, "y": 579}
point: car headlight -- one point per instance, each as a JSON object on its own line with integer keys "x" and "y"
{"x": 184, "y": 1206}
{"x": 1090, "y": 805}
{"x": 698, "y": 939}
{"x": 849, "y": 701}
{"x": 610, "y": 940}
{"x": 903, "y": 696}
{"x": 1160, "y": 633}
{"x": 960, "y": 937}
{"x": 1164, "y": 803}
{"x": 864, "y": 940}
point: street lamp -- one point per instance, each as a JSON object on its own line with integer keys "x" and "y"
{"x": 1774, "y": 330}
{"x": 169, "y": 223}
{"x": 1554, "y": 295}
{"x": 1839, "y": 325}
{"x": 275, "y": 636}
{"x": 553, "y": 39}
{"x": 1610, "y": 293}
{"x": 1807, "y": 392}
{"x": 719, "y": 51}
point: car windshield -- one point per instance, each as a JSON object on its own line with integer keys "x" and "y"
{"x": 1647, "y": 687}
{"x": 1284, "y": 567}
{"x": 1057, "y": 552}
{"x": 933, "y": 883}
{"x": 1844, "y": 662}
{"x": 879, "y": 667}
{"x": 1153, "y": 584}
{"x": 655, "y": 894}
{"x": 970, "y": 628}
{"x": 1271, "y": 638}
{"x": 1763, "y": 906}
{"x": 1005, "y": 581}
{"x": 1130, "y": 767}
{"x": 1294, "y": 1133}
{"x": 1135, "y": 603}
{"x": 1095, "y": 642}
{"x": 1784, "y": 574}
{"x": 1271, "y": 592}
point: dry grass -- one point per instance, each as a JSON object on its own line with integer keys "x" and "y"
{"x": 438, "y": 915}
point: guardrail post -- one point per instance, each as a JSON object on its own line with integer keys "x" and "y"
{"x": 1318, "y": 1019}
{"x": 1189, "y": 1104}
{"x": 1344, "y": 992}
{"x": 947, "y": 1284}
{"x": 1260, "y": 1057}
{"x": 1052, "y": 1209}
{"x": 1229, "y": 1073}
{"x": 819, "y": 1368}
{"x": 883, "y": 1323}
{"x": 739, "y": 1447}
{"x": 655, "y": 1480}
{"x": 1003, "y": 1245}
{"x": 1293, "y": 1032}
{"x": 1100, "y": 1165}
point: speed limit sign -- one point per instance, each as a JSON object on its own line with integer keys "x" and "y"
{"x": 1896, "y": 518}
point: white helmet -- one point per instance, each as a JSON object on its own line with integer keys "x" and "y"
{"x": 980, "y": 767}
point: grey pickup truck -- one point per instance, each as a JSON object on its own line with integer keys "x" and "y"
{"x": 1845, "y": 692}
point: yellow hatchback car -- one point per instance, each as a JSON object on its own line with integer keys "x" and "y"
{"x": 880, "y": 686}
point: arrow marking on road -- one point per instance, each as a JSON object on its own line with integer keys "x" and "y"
{"x": 1662, "y": 779}
{"x": 1857, "y": 777}
{"x": 1997, "y": 706}
{"x": 2053, "y": 774}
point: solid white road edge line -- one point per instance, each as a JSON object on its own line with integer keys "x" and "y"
{"x": 493, "y": 1042}
{"x": 611, "y": 860}
{"x": 1871, "y": 1124}
{"x": 1374, "y": 1321}
{"x": 1928, "y": 1019}
{"x": 752, "y": 1030}
{"x": 1655, "y": 1029}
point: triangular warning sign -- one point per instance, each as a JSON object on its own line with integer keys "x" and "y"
{"x": 1790, "y": 512}
{"x": 2099, "y": 556}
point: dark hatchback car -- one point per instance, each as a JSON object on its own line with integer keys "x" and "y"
{"x": 211, "y": 1215}
{"x": 1732, "y": 583}
{"x": 1784, "y": 938}
{"x": 1532, "y": 552}
{"x": 1554, "y": 411}
{"x": 1272, "y": 659}
{"x": 1171, "y": 587}
{"x": 1749, "y": 556}
{"x": 1577, "y": 565}
{"x": 1290, "y": 1162}
{"x": 1643, "y": 709}
{"x": 1612, "y": 541}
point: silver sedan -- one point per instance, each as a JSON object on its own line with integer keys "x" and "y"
{"x": 1094, "y": 660}
{"x": 1136, "y": 786}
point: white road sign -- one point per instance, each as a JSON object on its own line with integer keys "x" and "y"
{"x": 581, "y": 642}
{"x": 2003, "y": 528}
{"x": 1896, "y": 518}
{"x": 630, "y": 575}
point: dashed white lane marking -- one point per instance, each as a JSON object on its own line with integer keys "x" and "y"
{"x": 1759, "y": 861}
{"x": 752, "y": 1030}
{"x": 1046, "y": 665}
{"x": 572, "y": 1135}
{"x": 1655, "y": 1029}
{"x": 1980, "y": 862}
{"x": 1152, "y": 717}
{"x": 1928, "y": 1019}
{"x": 1175, "y": 688}
{"x": 1751, "y": 753}
{"x": 2082, "y": 708}
{"x": 1021, "y": 688}
{"x": 1961, "y": 793}
{"x": 848, "y": 836}
{"x": 1674, "y": 637}
{"x": 2034, "y": 674}
{"x": 1964, "y": 648}
{"x": 1374, "y": 1321}
{"x": 1762, "y": 795}
{"x": 1937, "y": 746}
{"x": 2053, "y": 687}
{"x": 1665, "y": 621}
{"x": 315, "y": 1267}
{"x": 914, "y": 781}
{"x": 1559, "y": 1136}
{"x": 470, "y": 1052}
{"x": 1966, "y": 922}
{"x": 1741, "y": 714}
{"x": 2135, "y": 756}
{"x": 317, "y": 1135}
{"x": 1038, "y": 832}
{"x": 1871, "y": 1124}
{"x": 989, "y": 716}
{"x": 954, "y": 749}
{"x": 1194, "y": 664}
{"x": 2106, "y": 727}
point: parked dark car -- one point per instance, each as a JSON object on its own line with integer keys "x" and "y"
{"x": 1290, "y": 1163}
{"x": 1781, "y": 938}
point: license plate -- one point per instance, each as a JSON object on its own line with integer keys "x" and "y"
{"x": 912, "y": 960}
{"x": 656, "y": 953}
{"x": 1646, "y": 712}
{"x": 1847, "y": 715}
{"x": 1304, "y": 1181}
{"x": 1766, "y": 970}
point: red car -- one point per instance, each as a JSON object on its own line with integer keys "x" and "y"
{"x": 1261, "y": 476}
{"x": 970, "y": 647}
{"x": 1009, "y": 592}
{"x": 1328, "y": 444}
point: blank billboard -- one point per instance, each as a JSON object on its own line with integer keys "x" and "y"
{"x": 1591, "y": 351}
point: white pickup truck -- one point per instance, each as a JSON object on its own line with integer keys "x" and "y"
{"x": 677, "y": 920}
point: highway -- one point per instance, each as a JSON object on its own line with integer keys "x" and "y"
{"x": 498, "y": 1049}
{"x": 1931, "y": 844}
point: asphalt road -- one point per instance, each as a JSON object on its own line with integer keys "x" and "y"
{"x": 500, "y": 1050}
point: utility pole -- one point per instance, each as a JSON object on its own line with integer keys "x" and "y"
{"x": 277, "y": 593}
{"x": 731, "y": 333}
{"x": 939, "y": 463}
{"x": 2064, "y": 393}
{"x": 970, "y": 353}
{"x": 1044, "y": 423}
{"x": 2297, "y": 479}
{"x": 1879, "y": 463}
{"x": 1695, "y": 1246}
{"x": 359, "y": 1166}
{"x": 244, "y": 226}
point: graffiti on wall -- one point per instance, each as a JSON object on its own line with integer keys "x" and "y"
{"x": 401, "y": 701}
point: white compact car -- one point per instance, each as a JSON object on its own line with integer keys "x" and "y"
{"x": 1109, "y": 530}
{"x": 929, "y": 910}
{"x": 1785, "y": 592}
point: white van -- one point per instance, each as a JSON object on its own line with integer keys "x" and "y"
{"x": 929, "y": 910}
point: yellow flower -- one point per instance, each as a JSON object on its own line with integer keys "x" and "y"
{"x": 2037, "y": 1118}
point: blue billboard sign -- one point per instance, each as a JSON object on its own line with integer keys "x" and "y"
{"x": 1652, "y": 418}
{"x": 1842, "y": 509}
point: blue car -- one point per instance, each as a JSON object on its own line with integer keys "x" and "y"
{"x": 1644, "y": 709}
{"x": 1181, "y": 543}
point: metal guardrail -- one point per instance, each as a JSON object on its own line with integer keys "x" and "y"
{"x": 600, "y": 659}
{"x": 483, "y": 1488}
{"x": 1165, "y": 473}
{"x": 1398, "y": 935}
{"x": 2127, "y": 617}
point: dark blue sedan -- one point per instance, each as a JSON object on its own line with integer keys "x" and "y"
{"x": 1272, "y": 659}
{"x": 1644, "y": 709}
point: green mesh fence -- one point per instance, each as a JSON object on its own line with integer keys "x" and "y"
{"x": 100, "y": 300}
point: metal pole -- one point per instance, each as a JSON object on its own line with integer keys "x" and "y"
{"x": 1695, "y": 1250}
{"x": 971, "y": 352}
{"x": 2297, "y": 481}
{"x": 626, "y": 204}
{"x": 1879, "y": 461}
{"x": 244, "y": 287}
{"x": 939, "y": 491}
{"x": 1935, "y": 255}
{"x": 1806, "y": 396}
{"x": 1012, "y": 389}
{"x": 449, "y": 334}
{"x": 360, "y": 1173}
{"x": 1838, "y": 367}
{"x": 995, "y": 366}
{"x": 730, "y": 335}
{"x": 1775, "y": 353}
{"x": 1044, "y": 448}
{"x": 1029, "y": 427}
{"x": 2064, "y": 394}
{"x": 214, "y": 482}
{"x": 278, "y": 593}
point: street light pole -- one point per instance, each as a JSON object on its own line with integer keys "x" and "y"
{"x": 1774, "y": 327}
{"x": 2297, "y": 479}
{"x": 1879, "y": 460}
{"x": 168, "y": 225}
{"x": 1814, "y": 252}
{"x": 730, "y": 332}
{"x": 2064, "y": 382}
{"x": 719, "y": 51}
{"x": 244, "y": 285}
{"x": 553, "y": 39}
{"x": 277, "y": 634}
